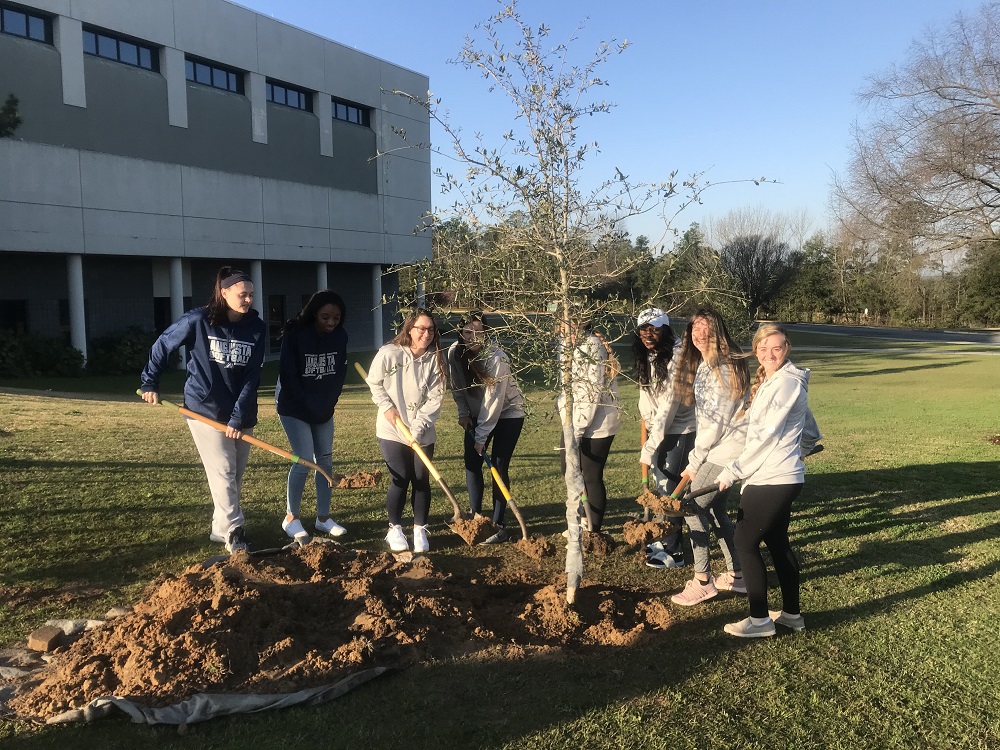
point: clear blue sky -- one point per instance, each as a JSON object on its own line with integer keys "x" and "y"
{"x": 742, "y": 89}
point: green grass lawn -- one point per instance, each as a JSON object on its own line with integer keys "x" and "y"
{"x": 897, "y": 530}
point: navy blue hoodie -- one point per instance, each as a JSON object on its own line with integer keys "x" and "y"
{"x": 223, "y": 365}
{"x": 311, "y": 374}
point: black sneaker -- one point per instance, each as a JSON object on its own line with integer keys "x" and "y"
{"x": 500, "y": 536}
{"x": 238, "y": 541}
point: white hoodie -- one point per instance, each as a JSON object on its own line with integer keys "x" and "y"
{"x": 486, "y": 404}
{"x": 777, "y": 417}
{"x": 410, "y": 384}
{"x": 720, "y": 436}
{"x": 596, "y": 409}
{"x": 662, "y": 410}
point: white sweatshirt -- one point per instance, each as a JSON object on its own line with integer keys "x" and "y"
{"x": 410, "y": 384}
{"x": 662, "y": 410}
{"x": 720, "y": 437}
{"x": 777, "y": 416}
{"x": 486, "y": 404}
{"x": 596, "y": 408}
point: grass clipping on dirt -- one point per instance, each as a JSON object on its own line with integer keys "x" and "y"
{"x": 316, "y": 615}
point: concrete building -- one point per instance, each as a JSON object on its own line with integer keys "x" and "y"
{"x": 162, "y": 139}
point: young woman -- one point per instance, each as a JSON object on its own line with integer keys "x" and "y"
{"x": 772, "y": 472}
{"x": 490, "y": 408}
{"x": 596, "y": 415}
{"x": 712, "y": 374}
{"x": 407, "y": 381}
{"x": 225, "y": 341}
{"x": 670, "y": 423}
{"x": 310, "y": 379}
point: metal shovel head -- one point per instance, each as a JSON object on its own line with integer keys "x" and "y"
{"x": 267, "y": 552}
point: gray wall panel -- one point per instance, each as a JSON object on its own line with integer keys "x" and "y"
{"x": 124, "y": 233}
{"x": 28, "y": 227}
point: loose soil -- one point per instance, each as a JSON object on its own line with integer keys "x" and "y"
{"x": 317, "y": 614}
{"x": 665, "y": 505}
{"x": 358, "y": 479}
{"x": 639, "y": 534}
{"x": 473, "y": 530}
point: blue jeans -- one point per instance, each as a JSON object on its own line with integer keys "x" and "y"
{"x": 315, "y": 443}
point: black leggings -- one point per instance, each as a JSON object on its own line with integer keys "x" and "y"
{"x": 670, "y": 459}
{"x": 405, "y": 469}
{"x": 500, "y": 444}
{"x": 763, "y": 517}
{"x": 593, "y": 456}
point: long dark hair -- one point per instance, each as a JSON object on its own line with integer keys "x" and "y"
{"x": 722, "y": 350}
{"x": 403, "y": 337}
{"x": 217, "y": 311}
{"x": 664, "y": 351}
{"x": 472, "y": 361}
{"x": 307, "y": 315}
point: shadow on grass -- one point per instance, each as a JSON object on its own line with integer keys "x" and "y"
{"x": 895, "y": 518}
{"x": 896, "y": 370}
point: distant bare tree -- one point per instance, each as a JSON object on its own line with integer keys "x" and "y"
{"x": 926, "y": 166}
{"x": 762, "y": 266}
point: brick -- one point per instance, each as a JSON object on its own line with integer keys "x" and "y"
{"x": 46, "y": 638}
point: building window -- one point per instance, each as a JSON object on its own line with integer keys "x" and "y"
{"x": 214, "y": 75}
{"x": 14, "y": 316}
{"x": 120, "y": 49}
{"x": 26, "y": 24}
{"x": 289, "y": 96}
{"x": 349, "y": 112}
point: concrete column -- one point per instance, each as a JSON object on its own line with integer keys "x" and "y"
{"x": 323, "y": 106}
{"x": 257, "y": 274}
{"x": 173, "y": 70}
{"x": 256, "y": 88}
{"x": 421, "y": 292}
{"x": 377, "y": 305}
{"x": 177, "y": 299}
{"x": 322, "y": 281}
{"x": 77, "y": 311}
{"x": 67, "y": 35}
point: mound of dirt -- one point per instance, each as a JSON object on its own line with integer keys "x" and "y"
{"x": 537, "y": 547}
{"x": 358, "y": 480}
{"x": 598, "y": 543}
{"x": 995, "y": 440}
{"x": 315, "y": 615}
{"x": 639, "y": 534}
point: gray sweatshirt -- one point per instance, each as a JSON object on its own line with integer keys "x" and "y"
{"x": 777, "y": 416}
{"x": 486, "y": 404}
{"x": 720, "y": 437}
{"x": 410, "y": 384}
{"x": 662, "y": 410}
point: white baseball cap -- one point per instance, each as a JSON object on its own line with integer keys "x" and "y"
{"x": 652, "y": 316}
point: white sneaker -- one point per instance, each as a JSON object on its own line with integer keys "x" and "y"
{"x": 794, "y": 622}
{"x": 420, "y": 541}
{"x": 331, "y": 527}
{"x": 397, "y": 539}
{"x": 729, "y": 582}
{"x": 295, "y": 530}
{"x": 746, "y": 629}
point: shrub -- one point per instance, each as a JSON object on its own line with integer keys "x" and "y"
{"x": 121, "y": 353}
{"x": 33, "y": 356}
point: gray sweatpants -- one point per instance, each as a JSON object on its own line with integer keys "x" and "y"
{"x": 713, "y": 513}
{"x": 225, "y": 460}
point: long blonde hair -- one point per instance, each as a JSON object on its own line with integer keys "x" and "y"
{"x": 765, "y": 330}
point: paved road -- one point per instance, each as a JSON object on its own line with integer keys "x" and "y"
{"x": 902, "y": 334}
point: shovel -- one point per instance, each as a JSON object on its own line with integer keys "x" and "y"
{"x": 408, "y": 436}
{"x": 269, "y": 552}
{"x": 247, "y": 438}
{"x": 506, "y": 494}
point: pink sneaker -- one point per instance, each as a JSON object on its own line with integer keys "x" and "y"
{"x": 695, "y": 593}
{"x": 729, "y": 582}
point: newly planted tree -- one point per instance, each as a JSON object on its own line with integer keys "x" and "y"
{"x": 530, "y": 225}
